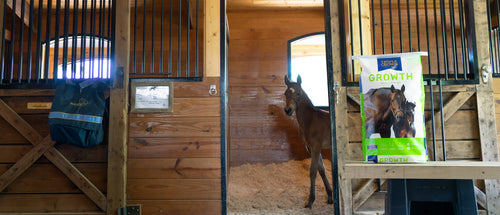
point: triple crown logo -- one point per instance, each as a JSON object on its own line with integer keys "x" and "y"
{"x": 389, "y": 63}
{"x": 81, "y": 102}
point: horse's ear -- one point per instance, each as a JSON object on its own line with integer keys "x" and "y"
{"x": 299, "y": 80}
{"x": 287, "y": 81}
{"x": 403, "y": 88}
{"x": 393, "y": 89}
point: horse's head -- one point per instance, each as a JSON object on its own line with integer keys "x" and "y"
{"x": 398, "y": 100}
{"x": 292, "y": 93}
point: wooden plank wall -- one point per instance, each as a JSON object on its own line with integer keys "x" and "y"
{"x": 259, "y": 129}
{"x": 496, "y": 90}
{"x": 43, "y": 188}
{"x": 174, "y": 159}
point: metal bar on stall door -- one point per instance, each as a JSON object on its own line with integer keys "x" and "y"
{"x": 490, "y": 35}
{"x": 418, "y": 25}
{"x": 55, "y": 71}
{"x": 197, "y": 42}
{"x": 187, "y": 38}
{"x": 38, "y": 44}
{"x": 437, "y": 36}
{"x": 373, "y": 28}
{"x": 21, "y": 41}
{"x": 47, "y": 42}
{"x": 170, "y": 39}
{"x": 409, "y": 23}
{"x": 442, "y": 118}
{"x": 497, "y": 42}
{"x": 153, "y": 38}
{"x": 382, "y": 26}
{"x": 445, "y": 39}
{"x": 433, "y": 121}
{"x": 100, "y": 47}
{"x": 74, "y": 40}
{"x": 110, "y": 40}
{"x": 360, "y": 24}
{"x": 453, "y": 39}
{"x": 462, "y": 36}
{"x": 390, "y": 25}
{"x": 12, "y": 43}
{"x": 30, "y": 43}
{"x": 2, "y": 56}
{"x": 352, "y": 39}
{"x": 161, "y": 35}
{"x": 135, "y": 38}
{"x": 93, "y": 6}
{"x": 400, "y": 28}
{"x": 179, "y": 39}
{"x": 427, "y": 35}
{"x": 83, "y": 54}
{"x": 65, "y": 43}
{"x": 144, "y": 39}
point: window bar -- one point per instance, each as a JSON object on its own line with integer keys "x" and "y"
{"x": 30, "y": 43}
{"x": 2, "y": 60}
{"x": 100, "y": 46}
{"x": 445, "y": 39}
{"x": 47, "y": 43}
{"x": 400, "y": 28}
{"x": 74, "y": 39}
{"x": 65, "y": 44}
{"x": 92, "y": 38}
{"x": 433, "y": 121}
{"x": 409, "y": 23}
{"x": 38, "y": 59}
{"x": 170, "y": 40}
{"x": 21, "y": 41}
{"x": 352, "y": 39}
{"x": 497, "y": 42}
{"x": 382, "y": 26}
{"x": 360, "y": 24}
{"x": 153, "y": 38}
{"x": 12, "y": 42}
{"x": 197, "y": 37}
{"x": 437, "y": 36}
{"x": 83, "y": 47}
{"x": 374, "y": 41}
{"x": 390, "y": 25}
{"x": 418, "y": 25}
{"x": 179, "y": 39}
{"x": 135, "y": 38}
{"x": 144, "y": 39}
{"x": 161, "y": 35}
{"x": 462, "y": 35}
{"x": 187, "y": 37}
{"x": 427, "y": 35}
{"x": 453, "y": 38}
{"x": 55, "y": 71}
{"x": 442, "y": 118}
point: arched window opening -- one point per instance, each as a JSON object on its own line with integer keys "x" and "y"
{"x": 307, "y": 58}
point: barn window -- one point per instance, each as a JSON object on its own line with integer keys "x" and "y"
{"x": 91, "y": 62}
{"x": 307, "y": 58}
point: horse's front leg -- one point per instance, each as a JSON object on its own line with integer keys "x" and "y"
{"x": 313, "y": 169}
{"x": 321, "y": 169}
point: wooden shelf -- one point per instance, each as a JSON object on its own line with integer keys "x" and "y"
{"x": 430, "y": 170}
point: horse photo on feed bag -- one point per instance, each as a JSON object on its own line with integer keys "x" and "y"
{"x": 314, "y": 129}
{"x": 392, "y": 105}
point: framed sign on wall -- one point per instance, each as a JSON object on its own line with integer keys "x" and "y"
{"x": 151, "y": 97}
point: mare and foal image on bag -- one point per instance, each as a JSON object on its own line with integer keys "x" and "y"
{"x": 392, "y": 108}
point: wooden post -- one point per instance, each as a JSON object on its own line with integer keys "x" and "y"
{"x": 118, "y": 119}
{"x": 341, "y": 125}
{"x": 486, "y": 105}
{"x": 212, "y": 39}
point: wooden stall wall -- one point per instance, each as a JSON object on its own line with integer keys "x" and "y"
{"x": 43, "y": 188}
{"x": 174, "y": 159}
{"x": 259, "y": 129}
{"x": 496, "y": 90}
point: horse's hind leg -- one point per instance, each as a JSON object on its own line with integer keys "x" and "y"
{"x": 321, "y": 169}
{"x": 313, "y": 169}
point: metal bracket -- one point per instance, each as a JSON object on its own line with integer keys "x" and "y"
{"x": 485, "y": 72}
{"x": 130, "y": 210}
{"x": 213, "y": 90}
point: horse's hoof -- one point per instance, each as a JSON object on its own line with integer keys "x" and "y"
{"x": 309, "y": 205}
{"x": 330, "y": 201}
